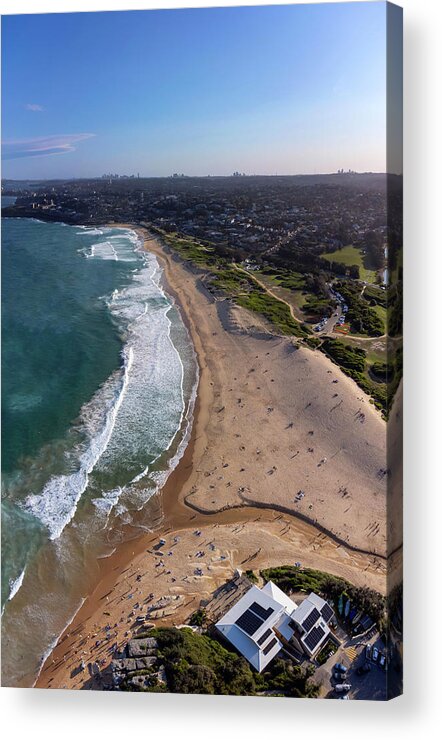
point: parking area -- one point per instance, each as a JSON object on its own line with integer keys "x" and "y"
{"x": 370, "y": 685}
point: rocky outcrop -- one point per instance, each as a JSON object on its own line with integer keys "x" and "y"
{"x": 138, "y": 667}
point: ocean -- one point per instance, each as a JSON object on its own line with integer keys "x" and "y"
{"x": 99, "y": 378}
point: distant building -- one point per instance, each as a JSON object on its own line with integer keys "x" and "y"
{"x": 264, "y": 620}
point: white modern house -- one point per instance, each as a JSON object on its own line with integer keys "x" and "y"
{"x": 310, "y": 621}
{"x": 265, "y": 619}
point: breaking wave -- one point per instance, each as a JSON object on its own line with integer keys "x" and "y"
{"x": 137, "y": 414}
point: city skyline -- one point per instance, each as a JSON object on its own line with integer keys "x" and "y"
{"x": 204, "y": 91}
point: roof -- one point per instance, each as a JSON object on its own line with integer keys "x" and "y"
{"x": 285, "y": 627}
{"x": 275, "y": 592}
{"x": 256, "y": 622}
{"x": 249, "y": 624}
{"x": 313, "y": 616}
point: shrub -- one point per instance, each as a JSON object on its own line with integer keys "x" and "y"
{"x": 291, "y": 579}
{"x": 199, "y": 664}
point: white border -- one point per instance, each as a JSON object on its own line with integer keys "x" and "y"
{"x": 47, "y": 714}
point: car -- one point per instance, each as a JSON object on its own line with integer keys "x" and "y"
{"x": 375, "y": 655}
{"x": 342, "y": 688}
{"x": 346, "y": 696}
{"x": 368, "y": 652}
{"x": 340, "y": 667}
{"x": 363, "y": 669}
{"x": 383, "y": 661}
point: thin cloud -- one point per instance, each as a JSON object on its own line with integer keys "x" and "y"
{"x": 43, "y": 146}
{"x": 34, "y": 106}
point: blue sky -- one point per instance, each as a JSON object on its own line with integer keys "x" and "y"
{"x": 286, "y": 89}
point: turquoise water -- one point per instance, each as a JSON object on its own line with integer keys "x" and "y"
{"x": 98, "y": 374}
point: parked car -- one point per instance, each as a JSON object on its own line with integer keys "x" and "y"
{"x": 363, "y": 669}
{"x": 375, "y": 655}
{"x": 340, "y": 667}
{"x": 383, "y": 661}
{"x": 346, "y": 696}
{"x": 368, "y": 652}
{"x": 342, "y": 688}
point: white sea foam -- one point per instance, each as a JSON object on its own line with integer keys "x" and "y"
{"x": 86, "y": 231}
{"x": 118, "y": 247}
{"x": 108, "y": 500}
{"x": 147, "y": 329}
{"x": 137, "y": 414}
{"x": 104, "y": 251}
{"x": 55, "y": 506}
{"x": 14, "y": 587}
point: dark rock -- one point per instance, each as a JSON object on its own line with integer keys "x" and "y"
{"x": 142, "y": 646}
{"x": 145, "y": 663}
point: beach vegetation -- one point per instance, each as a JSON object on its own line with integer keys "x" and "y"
{"x": 285, "y": 278}
{"x": 292, "y": 579}
{"x": 199, "y": 664}
{"x": 395, "y": 307}
{"x": 198, "y": 618}
{"x": 275, "y": 311}
{"x": 350, "y": 358}
{"x": 236, "y": 284}
{"x": 312, "y": 342}
{"x": 382, "y": 371}
{"x": 308, "y": 292}
{"x": 352, "y": 361}
{"x": 374, "y": 295}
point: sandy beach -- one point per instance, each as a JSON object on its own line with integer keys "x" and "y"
{"x": 285, "y": 464}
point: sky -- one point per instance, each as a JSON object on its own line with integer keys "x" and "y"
{"x": 263, "y": 90}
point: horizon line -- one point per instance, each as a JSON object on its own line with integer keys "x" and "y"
{"x": 201, "y": 177}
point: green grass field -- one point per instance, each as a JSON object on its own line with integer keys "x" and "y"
{"x": 351, "y": 256}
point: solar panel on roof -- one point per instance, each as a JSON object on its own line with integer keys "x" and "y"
{"x": 311, "y": 619}
{"x": 327, "y": 612}
{"x": 249, "y": 622}
{"x": 260, "y": 611}
{"x": 314, "y": 637}
{"x": 268, "y": 647}
{"x": 264, "y": 637}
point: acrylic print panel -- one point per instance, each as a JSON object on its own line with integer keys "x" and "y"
{"x": 202, "y": 354}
